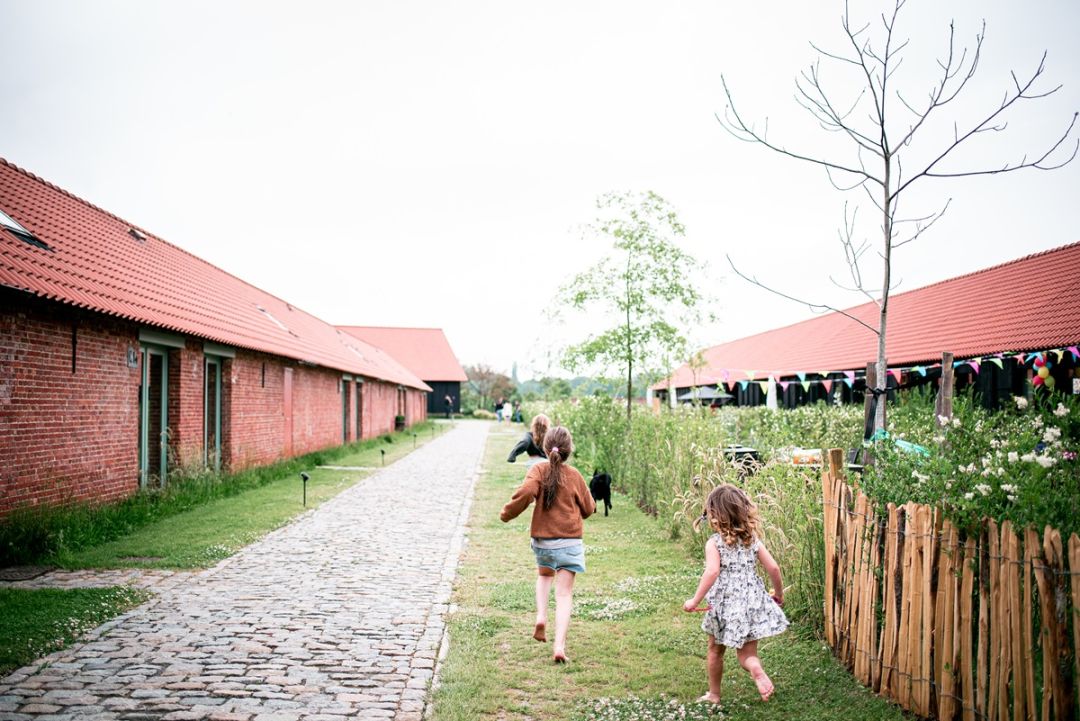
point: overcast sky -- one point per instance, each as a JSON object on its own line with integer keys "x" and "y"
{"x": 431, "y": 163}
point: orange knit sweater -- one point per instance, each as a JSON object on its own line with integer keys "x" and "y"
{"x": 573, "y": 503}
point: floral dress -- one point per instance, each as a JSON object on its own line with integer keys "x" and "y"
{"x": 740, "y": 609}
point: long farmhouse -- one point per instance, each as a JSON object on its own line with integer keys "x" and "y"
{"x": 1002, "y": 324}
{"x": 123, "y": 358}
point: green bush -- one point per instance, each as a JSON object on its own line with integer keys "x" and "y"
{"x": 483, "y": 413}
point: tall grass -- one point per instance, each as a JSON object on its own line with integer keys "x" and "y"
{"x": 34, "y": 534}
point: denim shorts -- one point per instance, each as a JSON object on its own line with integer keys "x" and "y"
{"x": 569, "y": 558}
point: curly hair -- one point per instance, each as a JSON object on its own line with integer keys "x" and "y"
{"x": 732, "y": 514}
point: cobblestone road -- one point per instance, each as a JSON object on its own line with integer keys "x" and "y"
{"x": 339, "y": 614}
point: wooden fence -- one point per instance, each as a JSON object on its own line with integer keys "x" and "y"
{"x": 949, "y": 627}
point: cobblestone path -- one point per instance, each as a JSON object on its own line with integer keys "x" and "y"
{"x": 339, "y": 614}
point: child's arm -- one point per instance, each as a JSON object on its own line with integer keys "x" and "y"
{"x": 708, "y": 576}
{"x": 773, "y": 569}
{"x": 521, "y": 499}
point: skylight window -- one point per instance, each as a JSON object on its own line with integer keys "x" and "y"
{"x": 20, "y": 232}
{"x": 277, "y": 322}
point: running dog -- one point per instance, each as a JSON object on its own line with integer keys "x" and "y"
{"x": 600, "y": 488}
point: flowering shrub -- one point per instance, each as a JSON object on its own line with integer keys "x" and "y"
{"x": 1018, "y": 464}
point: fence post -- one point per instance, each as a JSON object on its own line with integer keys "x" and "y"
{"x": 943, "y": 404}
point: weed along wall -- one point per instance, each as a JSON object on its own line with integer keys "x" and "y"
{"x": 94, "y": 408}
{"x": 976, "y": 627}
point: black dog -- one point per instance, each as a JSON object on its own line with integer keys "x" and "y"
{"x": 600, "y": 488}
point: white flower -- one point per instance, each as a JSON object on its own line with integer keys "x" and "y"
{"x": 920, "y": 477}
{"x": 1037, "y": 422}
{"x": 1012, "y": 498}
{"x": 985, "y": 474}
{"x": 1028, "y": 457}
{"x": 1021, "y": 402}
{"x": 955, "y": 422}
{"x": 949, "y": 483}
{"x": 943, "y": 420}
{"x": 1009, "y": 487}
{"x": 995, "y": 443}
{"x": 1061, "y": 411}
{"x": 999, "y": 472}
{"x": 978, "y": 426}
{"x": 983, "y": 489}
{"x": 939, "y": 439}
{"x": 1013, "y": 456}
{"x": 969, "y": 468}
{"x": 1051, "y": 434}
{"x": 968, "y": 496}
{"x": 1045, "y": 461}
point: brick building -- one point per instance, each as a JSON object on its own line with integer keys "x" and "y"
{"x": 123, "y": 358}
{"x": 424, "y": 351}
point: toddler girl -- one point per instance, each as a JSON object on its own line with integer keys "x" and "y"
{"x": 740, "y": 610}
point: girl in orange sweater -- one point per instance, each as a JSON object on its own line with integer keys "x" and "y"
{"x": 562, "y": 502}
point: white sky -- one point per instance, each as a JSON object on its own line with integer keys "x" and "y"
{"x": 428, "y": 163}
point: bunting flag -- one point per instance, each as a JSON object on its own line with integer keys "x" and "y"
{"x": 744, "y": 384}
{"x": 1034, "y": 356}
{"x": 828, "y": 386}
{"x": 731, "y": 386}
{"x": 850, "y": 377}
{"x": 974, "y": 365}
{"x": 920, "y": 370}
{"x": 764, "y": 385}
{"x": 1075, "y": 352}
{"x": 1058, "y": 353}
{"x": 802, "y": 376}
{"x": 750, "y": 374}
{"x": 898, "y": 375}
{"x": 996, "y": 361}
{"x": 725, "y": 375}
{"x": 806, "y": 386}
{"x": 849, "y": 382}
{"x": 784, "y": 385}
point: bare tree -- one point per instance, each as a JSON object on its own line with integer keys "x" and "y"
{"x": 881, "y": 125}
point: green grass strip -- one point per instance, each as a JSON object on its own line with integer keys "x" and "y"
{"x": 198, "y": 519}
{"x": 635, "y": 655}
{"x": 34, "y": 623}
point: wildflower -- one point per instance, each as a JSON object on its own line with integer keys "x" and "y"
{"x": 1045, "y": 461}
{"x": 1068, "y": 455}
{"x": 1012, "y": 498}
{"x": 1051, "y": 434}
{"x": 939, "y": 439}
{"x": 969, "y": 468}
{"x": 978, "y": 426}
{"x": 985, "y": 474}
{"x": 1028, "y": 457}
{"x": 999, "y": 472}
{"x": 1037, "y": 422}
{"x": 920, "y": 477}
{"x": 1021, "y": 402}
{"x": 995, "y": 443}
{"x": 949, "y": 483}
{"x": 1013, "y": 456}
{"x": 943, "y": 420}
{"x": 983, "y": 489}
{"x": 969, "y": 496}
{"x": 1061, "y": 411}
{"x": 955, "y": 422}
{"x": 1009, "y": 487}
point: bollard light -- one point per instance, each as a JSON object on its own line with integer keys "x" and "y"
{"x": 304, "y": 477}
{"x": 383, "y": 452}
{"x": 414, "y": 440}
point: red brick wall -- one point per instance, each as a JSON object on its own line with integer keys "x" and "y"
{"x": 68, "y": 437}
{"x": 65, "y": 436}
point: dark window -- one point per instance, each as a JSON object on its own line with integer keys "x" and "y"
{"x": 16, "y": 229}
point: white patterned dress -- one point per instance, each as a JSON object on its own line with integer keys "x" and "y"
{"x": 740, "y": 609}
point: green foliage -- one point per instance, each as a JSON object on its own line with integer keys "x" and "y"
{"x": 37, "y": 622}
{"x": 643, "y": 288}
{"x": 31, "y": 534}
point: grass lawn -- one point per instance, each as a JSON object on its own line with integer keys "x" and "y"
{"x": 37, "y": 622}
{"x": 202, "y": 536}
{"x": 634, "y": 653}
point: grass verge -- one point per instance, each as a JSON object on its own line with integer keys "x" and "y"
{"x": 203, "y": 535}
{"x": 37, "y": 622}
{"x": 635, "y": 654}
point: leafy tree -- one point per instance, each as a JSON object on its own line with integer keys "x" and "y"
{"x": 890, "y": 146}
{"x": 644, "y": 286}
{"x": 487, "y": 385}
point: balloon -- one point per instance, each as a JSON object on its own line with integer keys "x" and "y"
{"x": 1049, "y": 382}
{"x": 1037, "y": 381}
{"x": 1043, "y": 372}
{"x": 1039, "y": 361}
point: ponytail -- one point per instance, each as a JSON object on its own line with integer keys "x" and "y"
{"x": 558, "y": 446}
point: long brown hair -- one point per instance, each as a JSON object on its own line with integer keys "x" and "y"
{"x": 539, "y": 428}
{"x": 558, "y": 445}
{"x": 732, "y": 514}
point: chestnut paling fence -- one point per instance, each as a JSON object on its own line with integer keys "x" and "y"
{"x": 982, "y": 627}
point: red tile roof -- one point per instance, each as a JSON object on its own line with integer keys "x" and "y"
{"x": 95, "y": 261}
{"x": 1029, "y": 304}
{"x": 424, "y": 351}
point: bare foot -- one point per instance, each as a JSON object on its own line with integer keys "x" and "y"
{"x": 560, "y": 657}
{"x": 538, "y": 632}
{"x": 764, "y": 685}
{"x": 710, "y": 698}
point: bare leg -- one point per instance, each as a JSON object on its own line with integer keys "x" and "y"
{"x": 564, "y": 604}
{"x": 715, "y": 664}
{"x": 544, "y": 578}
{"x": 749, "y": 660}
